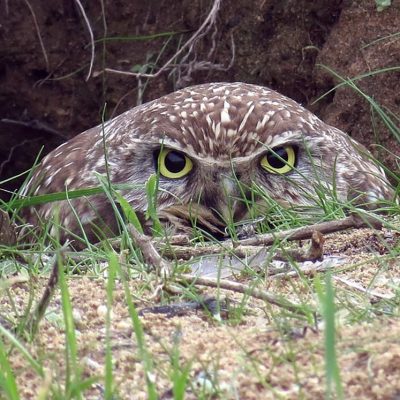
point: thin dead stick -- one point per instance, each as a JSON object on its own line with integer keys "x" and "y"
{"x": 192, "y": 66}
{"x": 150, "y": 254}
{"x": 46, "y": 59}
{"x": 92, "y": 45}
{"x": 313, "y": 253}
{"x": 35, "y": 318}
{"x": 240, "y": 246}
{"x": 305, "y": 232}
{"x": 242, "y": 288}
{"x": 209, "y": 19}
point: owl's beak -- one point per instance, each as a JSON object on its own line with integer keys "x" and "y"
{"x": 229, "y": 199}
{"x": 231, "y": 206}
{"x": 230, "y": 186}
{"x": 223, "y": 194}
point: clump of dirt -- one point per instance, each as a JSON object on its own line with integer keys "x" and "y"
{"x": 45, "y": 55}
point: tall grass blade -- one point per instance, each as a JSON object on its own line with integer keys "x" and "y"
{"x": 139, "y": 334}
{"x": 332, "y": 371}
{"x": 7, "y": 379}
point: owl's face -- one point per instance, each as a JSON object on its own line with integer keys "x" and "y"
{"x": 228, "y": 185}
{"x": 218, "y": 146}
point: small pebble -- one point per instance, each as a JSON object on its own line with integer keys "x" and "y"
{"x": 102, "y": 311}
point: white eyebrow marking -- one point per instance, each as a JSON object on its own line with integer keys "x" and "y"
{"x": 246, "y": 117}
{"x": 225, "y": 117}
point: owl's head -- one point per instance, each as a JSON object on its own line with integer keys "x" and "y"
{"x": 221, "y": 146}
{"x": 228, "y": 146}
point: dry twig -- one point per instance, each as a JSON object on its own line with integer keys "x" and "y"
{"x": 242, "y": 288}
{"x": 35, "y": 318}
{"x": 92, "y": 45}
{"x": 314, "y": 253}
{"x": 150, "y": 254}
{"x": 305, "y": 232}
{"x": 243, "y": 246}
{"x": 46, "y": 59}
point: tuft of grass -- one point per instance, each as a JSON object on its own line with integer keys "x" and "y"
{"x": 7, "y": 379}
{"x": 332, "y": 369}
{"x": 73, "y": 369}
{"x": 179, "y": 374}
{"x": 139, "y": 333}
{"x": 383, "y": 113}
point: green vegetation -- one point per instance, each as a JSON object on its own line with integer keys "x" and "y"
{"x": 125, "y": 263}
{"x": 268, "y": 342}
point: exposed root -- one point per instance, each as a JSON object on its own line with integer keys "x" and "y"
{"x": 46, "y": 59}
{"x": 92, "y": 45}
{"x": 186, "y": 67}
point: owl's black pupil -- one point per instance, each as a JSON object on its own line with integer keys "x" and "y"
{"x": 175, "y": 161}
{"x": 277, "y": 157}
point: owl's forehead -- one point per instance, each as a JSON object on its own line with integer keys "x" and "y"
{"x": 225, "y": 120}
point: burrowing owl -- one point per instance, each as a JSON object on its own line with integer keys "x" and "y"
{"x": 210, "y": 146}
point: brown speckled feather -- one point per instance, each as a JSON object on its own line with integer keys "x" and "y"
{"x": 224, "y": 128}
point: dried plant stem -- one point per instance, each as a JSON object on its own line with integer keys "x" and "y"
{"x": 242, "y": 288}
{"x": 241, "y": 247}
{"x": 150, "y": 254}
{"x": 35, "y": 318}
{"x": 92, "y": 45}
{"x": 46, "y": 59}
{"x": 305, "y": 232}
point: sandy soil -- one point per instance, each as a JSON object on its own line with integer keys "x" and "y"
{"x": 264, "y": 355}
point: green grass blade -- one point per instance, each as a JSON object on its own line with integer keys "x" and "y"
{"x": 16, "y": 343}
{"x": 52, "y": 197}
{"x": 81, "y": 385}
{"x": 152, "y": 192}
{"x": 332, "y": 370}
{"x": 59, "y": 196}
{"x": 139, "y": 333}
{"x": 7, "y": 379}
{"x": 391, "y": 125}
{"x": 128, "y": 211}
{"x": 180, "y": 374}
{"x": 112, "y": 268}
{"x": 139, "y": 38}
{"x": 72, "y": 367}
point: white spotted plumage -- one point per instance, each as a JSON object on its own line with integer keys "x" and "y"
{"x": 224, "y": 128}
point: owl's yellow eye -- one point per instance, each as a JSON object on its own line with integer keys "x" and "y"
{"x": 279, "y": 160}
{"x": 173, "y": 164}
